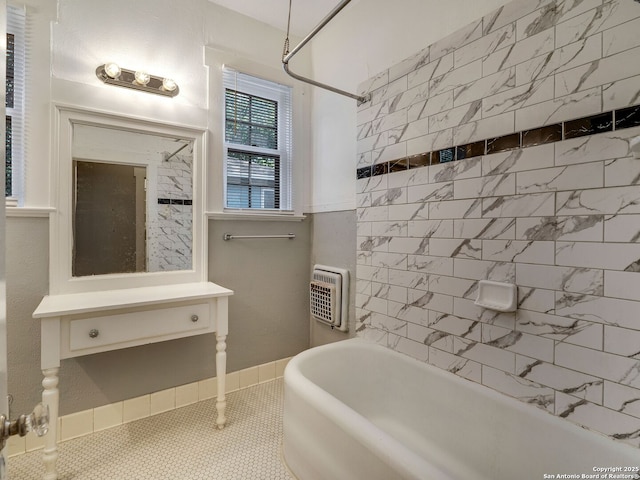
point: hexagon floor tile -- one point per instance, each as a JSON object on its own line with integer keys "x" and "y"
{"x": 182, "y": 444}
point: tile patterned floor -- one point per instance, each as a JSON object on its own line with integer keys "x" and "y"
{"x": 179, "y": 445}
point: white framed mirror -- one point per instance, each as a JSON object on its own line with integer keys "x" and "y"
{"x": 129, "y": 197}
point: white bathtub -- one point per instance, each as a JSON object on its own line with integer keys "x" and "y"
{"x": 355, "y": 410}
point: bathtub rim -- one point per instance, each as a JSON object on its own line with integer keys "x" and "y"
{"x": 324, "y": 402}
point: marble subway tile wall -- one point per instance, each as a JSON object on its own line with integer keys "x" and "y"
{"x": 170, "y": 233}
{"x": 555, "y": 210}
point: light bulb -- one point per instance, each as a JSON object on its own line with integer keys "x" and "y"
{"x": 168, "y": 85}
{"x": 142, "y": 78}
{"x": 112, "y": 70}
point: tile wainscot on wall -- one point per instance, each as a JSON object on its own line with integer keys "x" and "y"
{"x": 557, "y": 212}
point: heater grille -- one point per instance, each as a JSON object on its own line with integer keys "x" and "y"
{"x": 323, "y": 301}
{"x": 328, "y": 293}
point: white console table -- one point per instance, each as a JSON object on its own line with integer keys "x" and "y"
{"x": 78, "y": 324}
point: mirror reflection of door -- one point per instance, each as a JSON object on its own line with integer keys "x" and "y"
{"x": 109, "y": 219}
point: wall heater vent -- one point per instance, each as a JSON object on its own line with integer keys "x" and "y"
{"x": 329, "y": 296}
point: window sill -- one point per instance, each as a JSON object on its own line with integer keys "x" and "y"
{"x": 15, "y": 211}
{"x": 264, "y": 216}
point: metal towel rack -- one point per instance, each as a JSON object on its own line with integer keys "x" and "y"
{"x": 228, "y": 236}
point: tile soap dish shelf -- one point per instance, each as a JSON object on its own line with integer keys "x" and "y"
{"x": 498, "y": 296}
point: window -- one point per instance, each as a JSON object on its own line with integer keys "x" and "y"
{"x": 257, "y": 143}
{"x": 14, "y": 102}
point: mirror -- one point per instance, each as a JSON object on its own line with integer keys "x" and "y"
{"x": 109, "y": 236}
{"x": 129, "y": 196}
{"x": 132, "y": 201}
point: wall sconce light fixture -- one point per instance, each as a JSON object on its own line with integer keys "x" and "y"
{"x": 112, "y": 74}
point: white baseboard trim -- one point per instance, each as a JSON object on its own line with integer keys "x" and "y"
{"x": 86, "y": 422}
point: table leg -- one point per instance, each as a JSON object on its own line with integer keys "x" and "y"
{"x": 221, "y": 371}
{"x": 51, "y": 398}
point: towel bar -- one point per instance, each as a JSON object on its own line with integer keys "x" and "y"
{"x": 228, "y": 236}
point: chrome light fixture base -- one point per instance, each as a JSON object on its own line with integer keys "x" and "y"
{"x": 127, "y": 78}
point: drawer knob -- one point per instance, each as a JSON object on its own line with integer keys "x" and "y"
{"x": 94, "y": 332}
{"x": 194, "y": 318}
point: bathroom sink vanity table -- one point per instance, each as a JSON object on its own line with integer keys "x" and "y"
{"x": 128, "y": 247}
{"x": 85, "y": 323}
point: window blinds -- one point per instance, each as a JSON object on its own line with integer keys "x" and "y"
{"x": 258, "y": 125}
{"x": 15, "y": 100}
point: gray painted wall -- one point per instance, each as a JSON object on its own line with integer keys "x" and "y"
{"x": 27, "y": 270}
{"x": 269, "y": 311}
{"x": 333, "y": 240}
{"x": 268, "y": 318}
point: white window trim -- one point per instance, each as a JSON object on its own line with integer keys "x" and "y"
{"x": 216, "y": 59}
{"x": 16, "y": 19}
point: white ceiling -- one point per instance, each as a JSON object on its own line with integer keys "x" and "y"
{"x": 305, "y": 14}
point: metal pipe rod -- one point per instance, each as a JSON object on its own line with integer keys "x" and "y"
{"x": 359, "y": 98}
{"x": 289, "y": 55}
{"x": 169, "y": 157}
{"x": 228, "y": 236}
{"x": 319, "y": 27}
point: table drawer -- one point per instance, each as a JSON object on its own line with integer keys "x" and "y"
{"x": 136, "y": 327}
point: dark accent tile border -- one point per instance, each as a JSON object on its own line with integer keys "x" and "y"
{"x": 471, "y": 150}
{"x": 504, "y": 143}
{"x": 174, "y": 201}
{"x": 591, "y": 125}
{"x": 421, "y": 160}
{"x": 542, "y": 135}
{"x": 364, "y": 172}
{"x": 380, "y": 169}
{"x": 628, "y": 117}
{"x": 588, "y": 126}
{"x": 398, "y": 165}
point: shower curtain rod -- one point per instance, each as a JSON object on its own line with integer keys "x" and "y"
{"x": 286, "y": 56}
{"x": 168, "y": 157}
